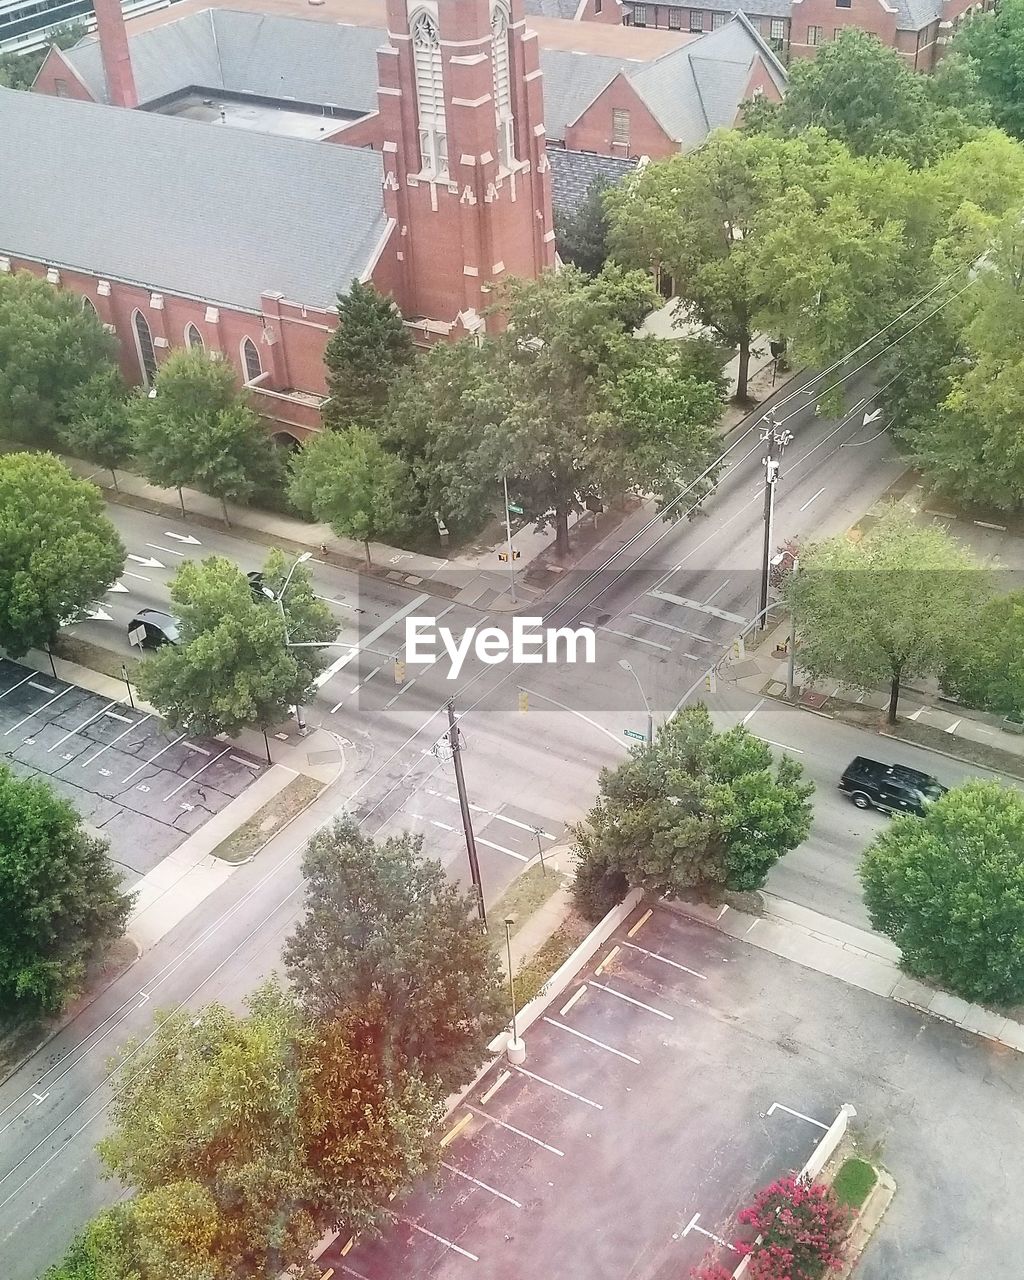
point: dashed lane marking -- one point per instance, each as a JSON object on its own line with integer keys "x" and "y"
{"x": 724, "y": 614}
{"x": 656, "y": 622}
{"x": 625, "y": 635}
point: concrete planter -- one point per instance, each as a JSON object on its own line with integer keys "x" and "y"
{"x": 1010, "y": 725}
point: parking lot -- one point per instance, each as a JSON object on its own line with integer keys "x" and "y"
{"x": 640, "y": 1123}
{"x": 141, "y": 786}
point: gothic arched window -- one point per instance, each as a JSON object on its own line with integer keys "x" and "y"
{"x": 426, "y": 52}
{"x": 251, "y": 360}
{"x": 144, "y": 347}
{"x": 502, "y": 86}
{"x": 88, "y": 305}
{"x": 194, "y": 339}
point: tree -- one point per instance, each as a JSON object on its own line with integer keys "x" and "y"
{"x": 99, "y": 426}
{"x": 60, "y": 905}
{"x": 58, "y": 550}
{"x": 948, "y": 889}
{"x": 994, "y": 42}
{"x": 885, "y": 608}
{"x": 105, "y": 1250}
{"x": 985, "y": 667}
{"x": 49, "y": 347}
{"x": 232, "y": 666}
{"x": 19, "y": 70}
{"x": 364, "y": 355}
{"x": 247, "y": 1137}
{"x": 390, "y": 939}
{"x": 863, "y": 94}
{"x": 198, "y": 429}
{"x": 581, "y": 234}
{"x": 351, "y": 482}
{"x": 801, "y": 1231}
{"x": 696, "y": 810}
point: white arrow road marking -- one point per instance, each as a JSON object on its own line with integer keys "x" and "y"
{"x": 147, "y": 562}
{"x": 99, "y": 615}
{"x": 183, "y": 537}
{"x": 118, "y": 586}
{"x": 871, "y": 417}
{"x": 41, "y": 1097}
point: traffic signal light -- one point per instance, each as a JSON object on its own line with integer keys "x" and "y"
{"x": 711, "y": 681}
{"x": 503, "y": 556}
{"x": 738, "y": 647}
{"x": 524, "y": 702}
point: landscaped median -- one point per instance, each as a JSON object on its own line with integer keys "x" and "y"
{"x": 247, "y": 840}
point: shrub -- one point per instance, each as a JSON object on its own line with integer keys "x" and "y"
{"x": 801, "y": 1227}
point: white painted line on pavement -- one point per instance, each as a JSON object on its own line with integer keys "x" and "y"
{"x": 148, "y": 762}
{"x": 450, "y": 1244}
{"x": 710, "y": 609}
{"x": 665, "y": 960}
{"x": 778, "y": 1106}
{"x": 169, "y": 550}
{"x": 478, "y": 808}
{"x": 559, "y": 1088}
{"x": 409, "y": 683}
{"x": 116, "y": 715}
{"x": 571, "y": 1001}
{"x": 339, "y": 664}
{"x": 629, "y": 1000}
{"x": 182, "y": 785}
{"x": 85, "y": 724}
{"x": 43, "y": 688}
{"x": 353, "y": 692}
{"x": 772, "y": 743}
{"x": 816, "y": 496}
{"x": 125, "y": 734}
{"x": 954, "y": 726}
{"x": 625, "y": 635}
{"x": 691, "y": 1224}
{"x": 752, "y": 712}
{"x": 25, "y": 719}
{"x": 501, "y": 849}
{"x": 476, "y": 1182}
{"x": 521, "y": 1133}
{"x": 590, "y": 1040}
{"x": 15, "y": 686}
{"x": 721, "y": 587}
{"x": 669, "y": 627}
{"x": 141, "y": 577}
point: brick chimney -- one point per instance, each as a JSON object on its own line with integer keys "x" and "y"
{"x": 117, "y": 61}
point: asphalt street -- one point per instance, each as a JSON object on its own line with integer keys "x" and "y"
{"x": 669, "y": 604}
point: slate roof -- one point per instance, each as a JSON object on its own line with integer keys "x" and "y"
{"x": 552, "y": 8}
{"x": 573, "y": 173}
{"x": 572, "y": 81}
{"x": 914, "y": 15}
{"x": 111, "y": 200}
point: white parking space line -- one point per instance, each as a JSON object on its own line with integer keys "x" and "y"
{"x": 148, "y": 762}
{"x": 352, "y": 693}
{"x": 656, "y": 622}
{"x": 772, "y": 743}
{"x": 629, "y": 1000}
{"x": 779, "y": 1106}
{"x": 717, "y": 591}
{"x": 752, "y": 712}
{"x": 590, "y": 1040}
{"x": 477, "y": 1183}
{"x": 625, "y": 635}
{"x": 15, "y": 686}
{"x": 501, "y": 817}
{"x": 814, "y": 498}
{"x": 724, "y": 614}
{"x": 560, "y": 1088}
{"x": 518, "y": 1132}
{"x": 26, "y": 719}
{"x": 182, "y": 785}
{"x": 692, "y": 1226}
{"x": 84, "y": 725}
{"x": 339, "y": 664}
{"x": 117, "y": 739}
{"x": 665, "y": 960}
{"x": 450, "y": 1244}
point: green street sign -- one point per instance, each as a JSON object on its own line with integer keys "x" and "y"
{"x": 631, "y": 733}
{"x": 516, "y": 511}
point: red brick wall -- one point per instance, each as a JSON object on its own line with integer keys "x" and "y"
{"x": 368, "y": 132}
{"x": 55, "y": 69}
{"x": 610, "y": 11}
{"x": 593, "y": 130}
{"x": 875, "y": 16}
{"x": 760, "y": 81}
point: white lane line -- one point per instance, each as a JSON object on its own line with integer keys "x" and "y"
{"x": 665, "y": 960}
{"x": 476, "y": 1182}
{"x": 339, "y": 664}
{"x": 352, "y": 693}
{"x": 169, "y": 550}
{"x": 560, "y": 1088}
{"x": 25, "y": 719}
{"x": 182, "y": 785}
{"x": 141, "y": 577}
{"x": 450, "y": 1244}
{"x": 84, "y": 725}
{"x": 127, "y": 731}
{"x": 15, "y": 686}
{"x": 590, "y": 1040}
{"x": 409, "y": 683}
{"x": 146, "y": 763}
{"x": 501, "y": 817}
{"x": 625, "y": 635}
{"x": 501, "y": 849}
{"x": 721, "y": 587}
{"x": 629, "y": 1000}
{"x": 813, "y": 499}
{"x": 724, "y": 614}
{"x": 772, "y": 743}
{"x": 43, "y": 688}
{"x": 778, "y": 1106}
{"x": 656, "y": 622}
{"x": 512, "y": 1129}
{"x": 753, "y": 712}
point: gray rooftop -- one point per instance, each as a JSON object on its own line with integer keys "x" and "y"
{"x": 572, "y": 81}
{"x": 552, "y": 8}
{"x": 755, "y": 9}
{"x": 166, "y": 202}
{"x": 573, "y": 173}
{"x": 914, "y": 15}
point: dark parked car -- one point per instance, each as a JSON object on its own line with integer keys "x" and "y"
{"x": 258, "y": 587}
{"x": 893, "y": 788}
{"x": 150, "y": 628}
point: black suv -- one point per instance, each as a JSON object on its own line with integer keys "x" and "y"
{"x": 892, "y": 788}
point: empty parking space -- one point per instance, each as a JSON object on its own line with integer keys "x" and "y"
{"x": 141, "y": 786}
{"x": 644, "y": 1116}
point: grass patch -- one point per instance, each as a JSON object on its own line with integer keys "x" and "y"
{"x": 854, "y": 1182}
{"x": 94, "y": 656}
{"x": 524, "y": 897}
{"x": 534, "y": 973}
{"x": 254, "y": 833}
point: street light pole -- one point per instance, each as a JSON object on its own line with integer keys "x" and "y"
{"x": 626, "y": 665}
{"x": 508, "y": 534}
{"x": 775, "y": 439}
{"x": 515, "y": 1048}
{"x": 306, "y": 555}
{"x": 455, "y": 742}
{"x": 791, "y": 666}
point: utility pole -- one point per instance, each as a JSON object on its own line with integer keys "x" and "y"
{"x": 791, "y": 666}
{"x": 455, "y": 742}
{"x": 774, "y": 438}
{"x": 511, "y": 549}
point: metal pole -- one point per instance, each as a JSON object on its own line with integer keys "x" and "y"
{"x": 770, "y": 475}
{"x": 128, "y": 686}
{"x": 306, "y": 555}
{"x": 791, "y": 668}
{"x": 626, "y": 665}
{"x": 508, "y": 534}
{"x": 650, "y": 728}
{"x": 540, "y": 850}
{"x": 511, "y": 979}
{"x": 454, "y": 739}
{"x": 49, "y": 654}
{"x": 266, "y": 743}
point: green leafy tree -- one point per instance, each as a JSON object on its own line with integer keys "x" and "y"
{"x": 985, "y": 665}
{"x": 105, "y": 1250}
{"x": 99, "y": 426}
{"x": 994, "y": 42}
{"x": 60, "y": 905}
{"x": 232, "y": 666}
{"x": 581, "y": 234}
{"x": 234, "y": 457}
{"x": 698, "y": 810}
{"x": 19, "y": 70}
{"x": 49, "y": 347}
{"x": 247, "y": 1137}
{"x": 58, "y": 550}
{"x": 948, "y": 889}
{"x": 886, "y": 608}
{"x": 365, "y": 354}
{"x": 350, "y": 481}
{"x": 390, "y": 939}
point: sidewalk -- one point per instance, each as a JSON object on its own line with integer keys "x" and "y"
{"x": 854, "y": 956}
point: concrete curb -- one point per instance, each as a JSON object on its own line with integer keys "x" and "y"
{"x": 949, "y": 755}
{"x": 869, "y": 1219}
